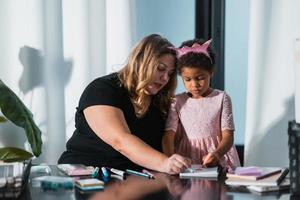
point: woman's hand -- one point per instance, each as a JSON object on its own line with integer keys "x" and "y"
{"x": 175, "y": 185}
{"x": 176, "y": 164}
{"x": 211, "y": 160}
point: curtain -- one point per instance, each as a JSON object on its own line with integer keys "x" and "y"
{"x": 274, "y": 26}
{"x": 49, "y": 51}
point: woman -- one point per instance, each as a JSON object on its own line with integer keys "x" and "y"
{"x": 120, "y": 118}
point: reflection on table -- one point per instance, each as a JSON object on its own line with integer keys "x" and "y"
{"x": 162, "y": 187}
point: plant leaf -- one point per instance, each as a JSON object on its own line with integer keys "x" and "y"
{"x": 14, "y": 110}
{"x": 13, "y": 154}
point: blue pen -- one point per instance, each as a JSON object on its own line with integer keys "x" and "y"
{"x": 129, "y": 171}
{"x": 105, "y": 172}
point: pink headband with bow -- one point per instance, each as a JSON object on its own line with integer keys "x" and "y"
{"x": 196, "y": 48}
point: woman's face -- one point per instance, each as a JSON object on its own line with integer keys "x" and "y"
{"x": 164, "y": 71}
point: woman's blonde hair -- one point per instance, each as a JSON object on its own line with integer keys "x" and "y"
{"x": 140, "y": 70}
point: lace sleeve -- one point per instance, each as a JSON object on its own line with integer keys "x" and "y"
{"x": 227, "y": 115}
{"x": 172, "y": 120}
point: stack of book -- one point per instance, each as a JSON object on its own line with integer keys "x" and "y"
{"x": 13, "y": 178}
{"x": 259, "y": 179}
{"x": 86, "y": 185}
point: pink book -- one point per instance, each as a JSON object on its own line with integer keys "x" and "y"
{"x": 76, "y": 169}
{"x": 248, "y": 171}
{"x": 254, "y": 173}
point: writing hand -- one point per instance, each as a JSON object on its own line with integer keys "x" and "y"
{"x": 176, "y": 164}
{"x": 210, "y": 160}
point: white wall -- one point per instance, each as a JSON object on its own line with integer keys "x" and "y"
{"x": 236, "y": 61}
{"x": 174, "y": 19}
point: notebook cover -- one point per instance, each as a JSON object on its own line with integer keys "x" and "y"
{"x": 201, "y": 172}
{"x": 254, "y": 173}
{"x": 268, "y": 181}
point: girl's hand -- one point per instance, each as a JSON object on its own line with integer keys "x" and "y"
{"x": 211, "y": 160}
{"x": 176, "y": 164}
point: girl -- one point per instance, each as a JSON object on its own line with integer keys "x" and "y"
{"x": 201, "y": 117}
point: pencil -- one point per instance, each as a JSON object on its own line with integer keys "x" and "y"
{"x": 284, "y": 172}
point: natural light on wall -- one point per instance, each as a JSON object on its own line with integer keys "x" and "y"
{"x": 270, "y": 93}
{"x": 50, "y": 50}
{"x": 21, "y": 39}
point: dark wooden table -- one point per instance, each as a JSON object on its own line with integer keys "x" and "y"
{"x": 163, "y": 187}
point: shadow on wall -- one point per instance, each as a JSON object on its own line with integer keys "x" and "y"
{"x": 33, "y": 72}
{"x": 32, "y": 62}
{"x": 273, "y": 146}
{"x": 33, "y": 76}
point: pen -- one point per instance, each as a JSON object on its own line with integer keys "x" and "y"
{"x": 285, "y": 171}
{"x": 132, "y": 172}
{"x": 149, "y": 173}
{"x": 105, "y": 172}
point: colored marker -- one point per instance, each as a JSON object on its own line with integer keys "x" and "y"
{"x": 149, "y": 173}
{"x": 117, "y": 171}
{"x": 95, "y": 172}
{"x": 105, "y": 172}
{"x": 132, "y": 172}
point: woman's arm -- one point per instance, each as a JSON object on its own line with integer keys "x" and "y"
{"x": 168, "y": 143}
{"x": 109, "y": 124}
{"x": 226, "y": 143}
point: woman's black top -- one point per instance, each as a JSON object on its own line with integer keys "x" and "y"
{"x": 85, "y": 147}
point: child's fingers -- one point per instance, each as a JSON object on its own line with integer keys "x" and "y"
{"x": 207, "y": 160}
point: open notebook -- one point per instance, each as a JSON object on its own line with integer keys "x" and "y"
{"x": 200, "y": 172}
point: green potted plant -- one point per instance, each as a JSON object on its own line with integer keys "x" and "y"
{"x": 14, "y": 110}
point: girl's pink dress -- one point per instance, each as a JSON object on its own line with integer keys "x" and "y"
{"x": 198, "y": 124}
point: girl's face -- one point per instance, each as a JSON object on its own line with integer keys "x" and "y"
{"x": 196, "y": 81}
{"x": 164, "y": 71}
